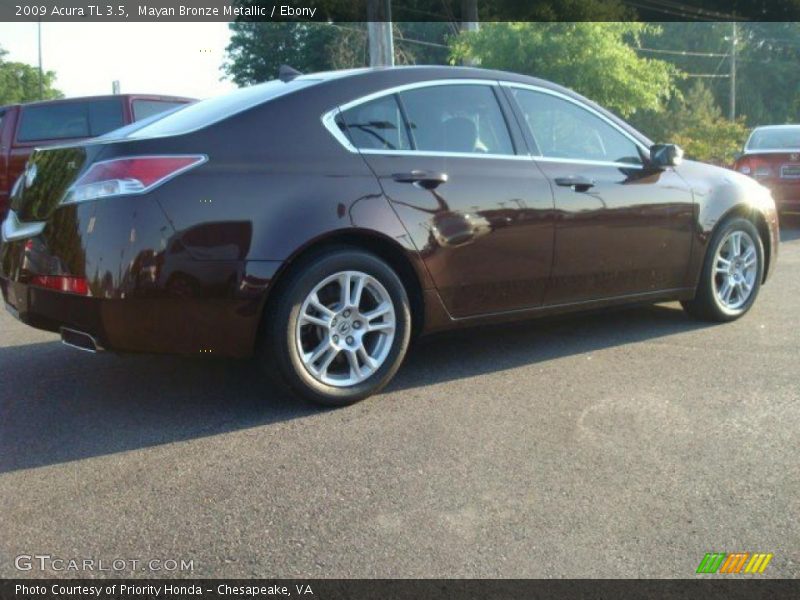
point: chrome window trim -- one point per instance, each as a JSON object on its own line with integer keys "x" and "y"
{"x": 329, "y": 121}
{"x": 542, "y": 158}
{"x": 444, "y": 154}
{"x": 14, "y": 229}
{"x": 582, "y": 161}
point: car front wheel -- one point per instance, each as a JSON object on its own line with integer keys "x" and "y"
{"x": 732, "y": 273}
{"x": 340, "y": 328}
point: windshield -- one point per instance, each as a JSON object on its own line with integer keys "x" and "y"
{"x": 207, "y": 112}
{"x": 785, "y": 138}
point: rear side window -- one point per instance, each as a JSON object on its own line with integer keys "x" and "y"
{"x": 376, "y": 125}
{"x": 142, "y": 109}
{"x": 457, "y": 118}
{"x": 66, "y": 120}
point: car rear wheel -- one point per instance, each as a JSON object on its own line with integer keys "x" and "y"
{"x": 732, "y": 273}
{"x": 341, "y": 327}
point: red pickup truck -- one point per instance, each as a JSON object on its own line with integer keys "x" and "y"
{"x": 24, "y": 127}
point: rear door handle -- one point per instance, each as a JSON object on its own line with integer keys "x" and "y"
{"x": 428, "y": 180}
{"x": 579, "y": 184}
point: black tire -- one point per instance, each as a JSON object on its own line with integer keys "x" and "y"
{"x": 280, "y": 351}
{"x": 706, "y": 305}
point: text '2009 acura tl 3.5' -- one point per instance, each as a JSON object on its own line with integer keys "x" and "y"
{"x": 319, "y": 222}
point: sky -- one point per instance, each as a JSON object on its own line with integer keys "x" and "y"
{"x": 181, "y": 59}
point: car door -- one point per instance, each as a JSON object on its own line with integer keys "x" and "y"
{"x": 478, "y": 211}
{"x": 620, "y": 229}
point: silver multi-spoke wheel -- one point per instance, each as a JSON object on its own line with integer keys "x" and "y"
{"x": 735, "y": 270}
{"x": 345, "y": 328}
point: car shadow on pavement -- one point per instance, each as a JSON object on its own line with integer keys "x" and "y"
{"x": 59, "y": 405}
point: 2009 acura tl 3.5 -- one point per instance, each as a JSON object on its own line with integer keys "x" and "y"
{"x": 321, "y": 221}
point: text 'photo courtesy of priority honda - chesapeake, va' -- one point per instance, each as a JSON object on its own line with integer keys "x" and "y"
{"x": 411, "y": 299}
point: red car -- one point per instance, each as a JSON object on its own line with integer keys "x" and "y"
{"x": 772, "y": 156}
{"x": 24, "y": 127}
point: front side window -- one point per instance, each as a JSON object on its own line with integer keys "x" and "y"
{"x": 456, "y": 118}
{"x": 562, "y": 129}
{"x": 376, "y": 125}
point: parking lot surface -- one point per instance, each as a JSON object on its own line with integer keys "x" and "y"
{"x": 624, "y": 444}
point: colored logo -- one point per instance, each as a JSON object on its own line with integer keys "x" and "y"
{"x": 737, "y": 562}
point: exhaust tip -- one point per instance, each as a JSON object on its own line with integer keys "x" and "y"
{"x": 79, "y": 340}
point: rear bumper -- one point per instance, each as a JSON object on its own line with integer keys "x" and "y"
{"x": 786, "y": 195}
{"x": 147, "y": 292}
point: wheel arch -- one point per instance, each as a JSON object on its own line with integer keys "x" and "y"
{"x": 755, "y": 216}
{"x": 400, "y": 259}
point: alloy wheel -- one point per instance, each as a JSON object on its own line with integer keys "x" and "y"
{"x": 735, "y": 270}
{"x": 345, "y": 328}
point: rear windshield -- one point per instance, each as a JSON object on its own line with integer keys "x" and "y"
{"x": 142, "y": 109}
{"x": 775, "y": 139}
{"x": 66, "y": 120}
{"x": 204, "y": 113}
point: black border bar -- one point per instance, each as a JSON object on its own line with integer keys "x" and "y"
{"x": 733, "y": 588}
{"x": 399, "y": 11}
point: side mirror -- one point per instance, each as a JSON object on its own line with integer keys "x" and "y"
{"x": 737, "y": 156}
{"x": 665, "y": 155}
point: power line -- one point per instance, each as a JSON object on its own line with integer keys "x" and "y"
{"x": 716, "y": 15}
{"x": 665, "y": 11}
{"x": 707, "y": 75}
{"x": 682, "y": 10}
{"x": 682, "y": 52}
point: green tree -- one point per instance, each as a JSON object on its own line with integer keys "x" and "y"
{"x": 20, "y": 82}
{"x": 595, "y": 59}
{"x": 767, "y": 78}
{"x": 699, "y": 127}
{"x": 257, "y": 50}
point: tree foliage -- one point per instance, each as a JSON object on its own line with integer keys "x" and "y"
{"x": 594, "y": 59}
{"x": 257, "y": 50}
{"x": 698, "y": 126}
{"x": 19, "y": 82}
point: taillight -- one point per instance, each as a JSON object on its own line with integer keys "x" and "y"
{"x": 71, "y": 285}
{"x": 131, "y": 175}
{"x": 754, "y": 166}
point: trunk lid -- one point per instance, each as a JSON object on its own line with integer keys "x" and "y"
{"x": 47, "y": 176}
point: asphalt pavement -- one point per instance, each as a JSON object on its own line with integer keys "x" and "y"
{"x": 622, "y": 444}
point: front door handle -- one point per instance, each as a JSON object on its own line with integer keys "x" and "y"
{"x": 579, "y": 184}
{"x": 428, "y": 180}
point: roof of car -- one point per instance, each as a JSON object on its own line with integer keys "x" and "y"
{"x": 437, "y": 71}
{"x": 785, "y": 126}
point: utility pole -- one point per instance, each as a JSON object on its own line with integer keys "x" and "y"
{"x": 732, "y": 111}
{"x": 469, "y": 14}
{"x": 41, "y": 72}
{"x": 379, "y": 28}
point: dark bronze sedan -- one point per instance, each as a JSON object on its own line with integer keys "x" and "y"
{"x": 320, "y": 222}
